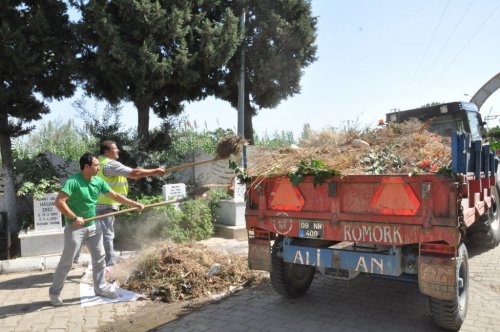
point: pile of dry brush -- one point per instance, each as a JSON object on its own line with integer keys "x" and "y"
{"x": 400, "y": 148}
{"x": 172, "y": 272}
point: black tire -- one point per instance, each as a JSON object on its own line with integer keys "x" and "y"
{"x": 486, "y": 231}
{"x": 287, "y": 279}
{"x": 494, "y": 220}
{"x": 450, "y": 314}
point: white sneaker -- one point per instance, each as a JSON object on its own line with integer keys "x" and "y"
{"x": 106, "y": 292}
{"x": 55, "y": 300}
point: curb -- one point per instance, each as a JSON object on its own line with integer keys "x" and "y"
{"x": 46, "y": 262}
{"x": 36, "y": 263}
{"x": 49, "y": 262}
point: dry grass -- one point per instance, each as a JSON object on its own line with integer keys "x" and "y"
{"x": 229, "y": 145}
{"x": 395, "y": 149}
{"x": 172, "y": 272}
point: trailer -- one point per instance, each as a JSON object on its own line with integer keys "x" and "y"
{"x": 396, "y": 226}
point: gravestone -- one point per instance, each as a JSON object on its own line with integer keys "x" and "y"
{"x": 47, "y": 216}
{"x": 48, "y": 235}
{"x": 230, "y": 214}
{"x": 239, "y": 191}
{"x": 174, "y": 191}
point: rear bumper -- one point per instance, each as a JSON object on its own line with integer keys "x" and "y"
{"x": 392, "y": 234}
{"x": 387, "y": 263}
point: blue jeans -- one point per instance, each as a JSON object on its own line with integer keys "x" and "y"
{"x": 74, "y": 236}
{"x": 108, "y": 234}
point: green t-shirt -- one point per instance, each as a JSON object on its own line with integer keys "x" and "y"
{"x": 83, "y": 195}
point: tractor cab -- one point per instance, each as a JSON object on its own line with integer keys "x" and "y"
{"x": 445, "y": 119}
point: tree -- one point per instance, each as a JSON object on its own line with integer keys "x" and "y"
{"x": 36, "y": 56}
{"x": 494, "y": 133}
{"x": 61, "y": 138}
{"x": 154, "y": 53}
{"x": 105, "y": 125}
{"x": 279, "y": 43}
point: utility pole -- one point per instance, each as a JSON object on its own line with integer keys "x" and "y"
{"x": 241, "y": 84}
{"x": 239, "y": 188}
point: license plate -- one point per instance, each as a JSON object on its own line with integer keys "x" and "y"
{"x": 311, "y": 229}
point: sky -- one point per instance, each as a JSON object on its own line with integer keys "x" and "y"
{"x": 374, "y": 56}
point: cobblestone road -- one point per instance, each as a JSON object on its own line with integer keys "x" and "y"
{"x": 362, "y": 304}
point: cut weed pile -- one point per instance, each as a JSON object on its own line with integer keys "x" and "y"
{"x": 400, "y": 148}
{"x": 172, "y": 272}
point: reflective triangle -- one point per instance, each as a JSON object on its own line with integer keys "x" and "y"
{"x": 286, "y": 197}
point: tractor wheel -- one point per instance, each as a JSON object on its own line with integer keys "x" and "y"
{"x": 450, "y": 314}
{"x": 287, "y": 279}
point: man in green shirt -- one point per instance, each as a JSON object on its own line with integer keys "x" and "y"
{"x": 77, "y": 201}
{"x": 115, "y": 174}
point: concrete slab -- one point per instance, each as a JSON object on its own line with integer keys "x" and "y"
{"x": 238, "y": 233}
{"x": 231, "y": 213}
{"x": 35, "y": 243}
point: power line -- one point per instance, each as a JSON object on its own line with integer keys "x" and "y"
{"x": 429, "y": 45}
{"x": 449, "y": 37}
{"x": 466, "y": 44}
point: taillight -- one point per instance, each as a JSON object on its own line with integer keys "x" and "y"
{"x": 257, "y": 232}
{"x": 438, "y": 248}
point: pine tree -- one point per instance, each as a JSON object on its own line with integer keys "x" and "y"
{"x": 36, "y": 56}
{"x": 155, "y": 54}
{"x": 279, "y": 43}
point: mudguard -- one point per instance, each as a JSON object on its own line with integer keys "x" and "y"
{"x": 437, "y": 276}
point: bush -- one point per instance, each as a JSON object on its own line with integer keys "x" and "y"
{"x": 276, "y": 140}
{"x": 195, "y": 224}
{"x": 494, "y": 138}
{"x": 191, "y": 221}
{"x": 35, "y": 177}
{"x": 62, "y": 139}
{"x": 214, "y": 196}
{"x": 36, "y": 169}
{"x": 172, "y": 144}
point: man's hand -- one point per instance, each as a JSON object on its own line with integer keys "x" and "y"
{"x": 139, "y": 173}
{"x": 124, "y": 200}
{"x": 160, "y": 171}
{"x": 78, "y": 221}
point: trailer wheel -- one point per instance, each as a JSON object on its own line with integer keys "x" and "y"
{"x": 450, "y": 314}
{"x": 287, "y": 279}
{"x": 493, "y": 233}
{"x": 486, "y": 231}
